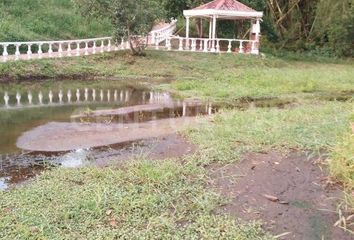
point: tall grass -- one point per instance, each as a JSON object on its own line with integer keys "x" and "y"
{"x": 26, "y": 20}
{"x": 342, "y": 166}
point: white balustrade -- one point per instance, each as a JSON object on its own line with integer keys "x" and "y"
{"x": 65, "y": 47}
{"x": 208, "y": 45}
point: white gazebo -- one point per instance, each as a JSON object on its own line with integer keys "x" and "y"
{"x": 229, "y": 10}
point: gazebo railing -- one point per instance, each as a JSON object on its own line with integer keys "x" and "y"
{"x": 177, "y": 43}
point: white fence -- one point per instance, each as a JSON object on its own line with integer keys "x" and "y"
{"x": 160, "y": 35}
{"x": 66, "y": 48}
{"x": 209, "y": 45}
{"x": 12, "y": 51}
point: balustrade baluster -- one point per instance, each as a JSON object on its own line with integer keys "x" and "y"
{"x": 205, "y": 45}
{"x": 29, "y": 51}
{"x": 86, "y": 48}
{"x": 40, "y": 51}
{"x": 69, "y": 50}
{"x": 168, "y": 44}
{"x": 229, "y": 47}
{"x": 94, "y": 47}
{"x": 50, "y": 50}
{"x": 241, "y": 47}
{"x": 102, "y": 46}
{"x": 217, "y": 45}
{"x": 187, "y": 44}
{"x": 109, "y": 45}
{"x": 17, "y": 53}
{"x": 180, "y": 44}
{"x": 200, "y": 45}
{"x": 194, "y": 45}
{"x": 78, "y": 49}
{"x": 60, "y": 50}
{"x": 5, "y": 53}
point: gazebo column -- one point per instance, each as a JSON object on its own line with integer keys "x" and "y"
{"x": 214, "y": 34}
{"x": 187, "y": 32}
{"x": 210, "y": 32}
{"x": 255, "y": 32}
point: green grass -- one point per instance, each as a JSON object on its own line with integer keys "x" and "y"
{"x": 218, "y": 77}
{"x": 170, "y": 199}
{"x": 341, "y": 165}
{"x": 145, "y": 200}
{"x": 28, "y": 20}
{"x": 310, "y": 127}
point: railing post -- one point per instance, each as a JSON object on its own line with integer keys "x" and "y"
{"x": 69, "y": 49}
{"x": 180, "y": 44}
{"x": 217, "y": 45}
{"x": 229, "y": 47}
{"x": 168, "y": 44}
{"x": 109, "y": 45}
{"x": 94, "y": 47}
{"x": 241, "y": 50}
{"x": 102, "y": 46}
{"x": 194, "y": 45}
{"x": 200, "y": 45}
{"x": 127, "y": 46}
{"x": 187, "y": 44}
{"x": 86, "y": 48}
{"x": 205, "y": 45}
{"x": 50, "y": 50}
{"x": 40, "y": 52}
{"x": 5, "y": 53}
{"x": 254, "y": 49}
{"x": 77, "y": 48}
{"x": 29, "y": 51}
{"x": 60, "y": 50}
{"x": 17, "y": 53}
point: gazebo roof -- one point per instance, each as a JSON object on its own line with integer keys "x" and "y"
{"x": 225, "y": 9}
{"x": 231, "y": 5}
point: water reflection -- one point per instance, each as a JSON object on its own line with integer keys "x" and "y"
{"x": 22, "y": 110}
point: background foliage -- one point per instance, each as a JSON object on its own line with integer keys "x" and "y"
{"x": 320, "y": 26}
{"x": 26, "y": 20}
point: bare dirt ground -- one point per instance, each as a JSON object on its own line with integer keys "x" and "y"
{"x": 288, "y": 193}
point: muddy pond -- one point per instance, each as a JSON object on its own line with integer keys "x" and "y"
{"x": 74, "y": 124}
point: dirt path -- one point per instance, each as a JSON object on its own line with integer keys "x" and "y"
{"x": 305, "y": 208}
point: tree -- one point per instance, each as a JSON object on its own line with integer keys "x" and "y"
{"x": 132, "y": 20}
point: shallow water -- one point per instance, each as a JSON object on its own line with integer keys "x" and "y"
{"x": 24, "y": 107}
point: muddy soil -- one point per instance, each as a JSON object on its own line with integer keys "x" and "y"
{"x": 61, "y": 136}
{"x": 161, "y": 148}
{"x": 304, "y": 206}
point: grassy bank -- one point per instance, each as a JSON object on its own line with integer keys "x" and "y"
{"x": 218, "y": 77}
{"x": 29, "y": 20}
{"x": 342, "y": 166}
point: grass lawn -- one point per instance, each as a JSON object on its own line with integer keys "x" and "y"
{"x": 169, "y": 199}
